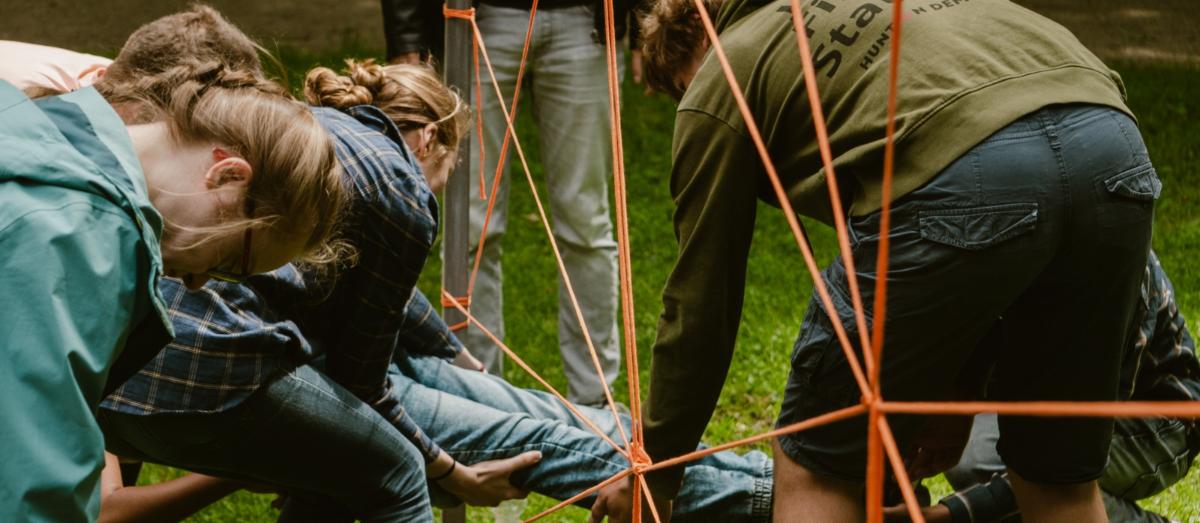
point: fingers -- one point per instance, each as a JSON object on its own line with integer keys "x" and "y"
{"x": 518, "y": 462}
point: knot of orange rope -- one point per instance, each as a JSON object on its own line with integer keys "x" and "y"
{"x": 640, "y": 459}
{"x": 448, "y": 301}
{"x": 464, "y": 14}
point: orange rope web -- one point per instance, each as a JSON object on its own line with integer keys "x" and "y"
{"x": 881, "y": 442}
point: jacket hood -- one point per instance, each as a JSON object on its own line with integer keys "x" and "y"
{"x": 75, "y": 141}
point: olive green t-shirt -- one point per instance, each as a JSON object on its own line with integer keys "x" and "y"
{"x": 967, "y": 69}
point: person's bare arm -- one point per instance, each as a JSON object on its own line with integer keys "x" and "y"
{"x": 171, "y": 500}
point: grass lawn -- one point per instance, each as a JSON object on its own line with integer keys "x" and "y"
{"x": 778, "y": 285}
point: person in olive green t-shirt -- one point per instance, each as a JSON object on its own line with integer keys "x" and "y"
{"x": 1022, "y": 189}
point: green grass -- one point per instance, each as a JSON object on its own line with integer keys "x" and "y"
{"x": 778, "y": 285}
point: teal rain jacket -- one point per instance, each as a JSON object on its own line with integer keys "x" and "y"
{"x": 79, "y": 265}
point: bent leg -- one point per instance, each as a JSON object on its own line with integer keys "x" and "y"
{"x": 802, "y": 495}
{"x": 725, "y": 488}
{"x": 301, "y": 432}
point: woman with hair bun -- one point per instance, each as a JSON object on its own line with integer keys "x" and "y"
{"x": 395, "y": 130}
{"x": 222, "y": 180}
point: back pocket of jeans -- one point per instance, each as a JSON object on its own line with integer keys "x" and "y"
{"x": 977, "y": 228}
{"x": 1139, "y": 183}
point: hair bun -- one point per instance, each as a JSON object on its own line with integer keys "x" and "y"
{"x": 324, "y": 87}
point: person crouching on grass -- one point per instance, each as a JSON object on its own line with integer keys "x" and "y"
{"x": 1022, "y": 189}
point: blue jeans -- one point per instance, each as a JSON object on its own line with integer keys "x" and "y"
{"x": 478, "y": 417}
{"x": 1147, "y": 456}
{"x": 301, "y": 432}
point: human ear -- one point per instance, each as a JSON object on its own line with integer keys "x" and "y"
{"x": 227, "y": 170}
{"x": 428, "y": 135}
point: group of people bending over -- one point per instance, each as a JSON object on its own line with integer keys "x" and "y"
{"x": 203, "y": 272}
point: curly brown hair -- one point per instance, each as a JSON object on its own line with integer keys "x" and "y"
{"x": 672, "y": 34}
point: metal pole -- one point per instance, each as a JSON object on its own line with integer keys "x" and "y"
{"x": 456, "y": 198}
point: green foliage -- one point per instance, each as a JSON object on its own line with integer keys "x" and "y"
{"x": 778, "y": 284}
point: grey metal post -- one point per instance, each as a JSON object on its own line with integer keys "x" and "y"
{"x": 456, "y": 198}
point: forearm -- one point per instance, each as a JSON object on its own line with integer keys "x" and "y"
{"x": 172, "y": 500}
{"x": 715, "y": 210}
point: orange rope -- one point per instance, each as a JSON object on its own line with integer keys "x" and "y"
{"x": 521, "y": 363}
{"x": 835, "y": 197}
{"x": 875, "y": 473}
{"x": 625, "y": 265}
{"x": 1102, "y": 409}
{"x": 508, "y": 133}
{"x": 816, "y": 421}
{"x": 461, "y": 14}
{"x": 617, "y": 477}
{"x": 638, "y": 507}
{"x": 479, "y": 128}
{"x": 450, "y": 301}
{"x": 784, "y": 203}
{"x": 893, "y": 453}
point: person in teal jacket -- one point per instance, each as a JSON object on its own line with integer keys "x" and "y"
{"x": 221, "y": 181}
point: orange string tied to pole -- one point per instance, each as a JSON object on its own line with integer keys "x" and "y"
{"x": 469, "y": 15}
{"x": 451, "y": 301}
{"x": 461, "y": 14}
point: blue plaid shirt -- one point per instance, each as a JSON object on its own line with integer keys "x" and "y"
{"x": 232, "y": 338}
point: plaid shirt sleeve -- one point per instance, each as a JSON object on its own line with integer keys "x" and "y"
{"x": 392, "y": 222}
{"x": 228, "y": 341}
{"x": 424, "y": 332}
{"x": 1168, "y": 368}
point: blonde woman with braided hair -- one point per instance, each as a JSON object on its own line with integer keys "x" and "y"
{"x": 223, "y": 181}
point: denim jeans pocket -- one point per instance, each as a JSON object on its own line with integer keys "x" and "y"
{"x": 977, "y": 228}
{"x": 1138, "y": 183}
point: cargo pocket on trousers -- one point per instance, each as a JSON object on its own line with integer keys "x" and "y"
{"x": 977, "y": 228}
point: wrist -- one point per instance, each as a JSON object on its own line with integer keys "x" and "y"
{"x": 449, "y": 470}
